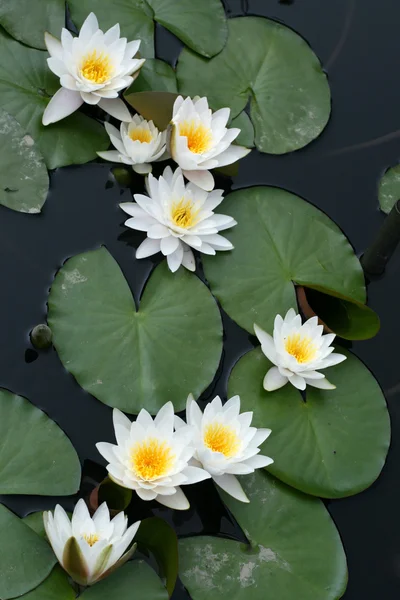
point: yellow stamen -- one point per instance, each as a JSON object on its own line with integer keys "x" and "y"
{"x": 302, "y": 348}
{"x": 96, "y": 67}
{"x": 152, "y": 458}
{"x": 140, "y": 134}
{"x": 199, "y": 137}
{"x": 221, "y": 438}
{"x": 184, "y": 213}
{"x": 91, "y": 538}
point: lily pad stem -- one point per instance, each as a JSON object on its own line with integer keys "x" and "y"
{"x": 376, "y": 257}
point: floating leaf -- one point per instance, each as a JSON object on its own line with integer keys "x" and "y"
{"x": 295, "y": 550}
{"x": 35, "y": 522}
{"x": 27, "y": 21}
{"x": 116, "y": 497}
{"x": 25, "y": 559}
{"x": 246, "y": 135}
{"x": 134, "y": 581}
{"x": 154, "y": 106}
{"x": 159, "y": 538}
{"x": 133, "y": 359}
{"x": 289, "y": 93}
{"x": 55, "y": 587}
{"x": 280, "y": 239}
{"x": 200, "y": 25}
{"x": 26, "y": 84}
{"x": 24, "y": 179}
{"x": 26, "y": 465}
{"x": 155, "y": 76}
{"x": 389, "y": 189}
{"x": 334, "y": 444}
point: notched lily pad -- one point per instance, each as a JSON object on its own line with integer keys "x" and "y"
{"x": 27, "y": 21}
{"x": 24, "y": 179}
{"x": 290, "y": 100}
{"x": 133, "y": 359}
{"x": 333, "y": 445}
{"x": 295, "y": 550}
{"x": 389, "y": 189}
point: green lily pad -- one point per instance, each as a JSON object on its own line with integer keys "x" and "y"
{"x": 55, "y": 587}
{"x": 389, "y": 189}
{"x": 26, "y": 465}
{"x": 156, "y": 536}
{"x": 134, "y": 581}
{"x": 290, "y": 100}
{"x": 246, "y": 135}
{"x": 24, "y": 178}
{"x": 25, "y": 559}
{"x": 35, "y": 522}
{"x": 26, "y": 84}
{"x": 27, "y": 21}
{"x": 294, "y": 549}
{"x": 333, "y": 445}
{"x": 200, "y": 25}
{"x": 280, "y": 240}
{"x": 155, "y": 76}
{"x": 133, "y": 359}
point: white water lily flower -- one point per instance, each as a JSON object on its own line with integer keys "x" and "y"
{"x": 138, "y": 143}
{"x": 201, "y": 141}
{"x": 176, "y": 218}
{"x": 226, "y": 444}
{"x": 88, "y": 548}
{"x": 298, "y": 351}
{"x": 92, "y": 68}
{"x": 151, "y": 459}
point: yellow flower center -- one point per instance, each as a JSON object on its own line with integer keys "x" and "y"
{"x": 152, "y": 458}
{"x": 221, "y": 438}
{"x": 91, "y": 538}
{"x": 184, "y": 213}
{"x": 141, "y": 135}
{"x": 198, "y": 136}
{"x": 302, "y": 348}
{"x": 96, "y": 67}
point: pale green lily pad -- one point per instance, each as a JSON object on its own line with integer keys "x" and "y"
{"x": 280, "y": 240}
{"x": 26, "y": 84}
{"x": 200, "y": 25}
{"x": 134, "y": 581}
{"x": 155, "y": 76}
{"x": 295, "y": 550}
{"x": 26, "y": 465}
{"x": 128, "y": 359}
{"x": 25, "y": 558}
{"x": 55, "y": 587}
{"x": 389, "y": 189}
{"x": 27, "y": 20}
{"x": 275, "y": 68}
{"x": 246, "y": 135}
{"x": 24, "y": 178}
{"x": 334, "y": 444}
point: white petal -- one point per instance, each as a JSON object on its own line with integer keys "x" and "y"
{"x": 259, "y": 461}
{"x": 203, "y": 179}
{"x": 112, "y": 156}
{"x": 195, "y": 474}
{"x": 178, "y": 501}
{"x": 267, "y": 343}
{"x": 188, "y": 260}
{"x": 63, "y": 103}
{"x": 53, "y": 45}
{"x": 175, "y": 259}
{"x": 107, "y": 451}
{"x": 333, "y": 359}
{"x": 132, "y": 209}
{"x": 90, "y": 98}
{"x": 231, "y": 155}
{"x": 322, "y": 384}
{"x": 57, "y": 66}
{"x": 67, "y": 81}
{"x": 273, "y": 380}
{"x": 169, "y": 244}
{"x": 260, "y": 436}
{"x": 146, "y": 494}
{"x": 142, "y": 168}
{"x": 148, "y": 248}
{"x": 298, "y": 382}
{"x": 231, "y": 486}
{"x": 116, "y": 108}
{"x": 89, "y": 27}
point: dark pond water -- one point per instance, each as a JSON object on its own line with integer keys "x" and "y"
{"x": 358, "y": 42}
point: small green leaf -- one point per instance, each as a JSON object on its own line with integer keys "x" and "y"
{"x": 55, "y": 587}
{"x": 333, "y": 445}
{"x": 134, "y": 581}
{"x": 133, "y": 359}
{"x": 389, "y": 189}
{"x": 295, "y": 550}
{"x": 155, "y": 76}
{"x": 25, "y": 559}
{"x": 275, "y": 68}
{"x": 27, "y": 21}
{"x": 154, "y": 106}
{"x": 159, "y": 538}
{"x": 117, "y": 497}
{"x": 246, "y": 135}
{"x": 23, "y": 174}
{"x": 26, "y": 465}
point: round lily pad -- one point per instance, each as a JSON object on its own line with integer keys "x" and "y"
{"x": 280, "y": 240}
{"x": 24, "y": 178}
{"x": 155, "y": 76}
{"x": 335, "y": 443}
{"x": 294, "y": 549}
{"x": 135, "y": 575}
{"x": 55, "y": 587}
{"x": 25, "y": 558}
{"x": 27, "y": 21}
{"x": 275, "y": 68}
{"x": 133, "y": 359}
{"x": 200, "y": 25}
{"x": 26, "y": 465}
{"x": 389, "y": 189}
{"x": 26, "y": 85}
